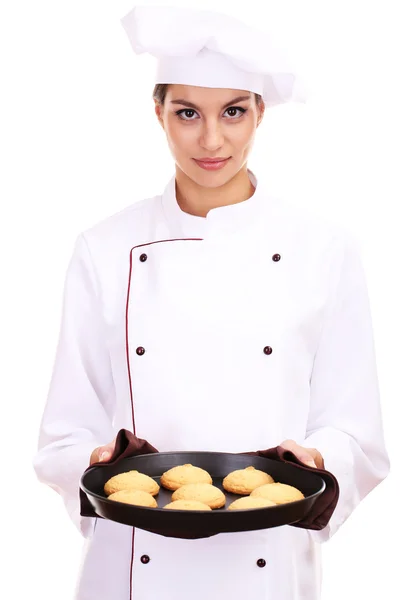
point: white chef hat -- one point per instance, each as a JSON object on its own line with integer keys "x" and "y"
{"x": 211, "y": 49}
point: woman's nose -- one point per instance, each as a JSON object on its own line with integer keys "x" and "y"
{"x": 212, "y": 138}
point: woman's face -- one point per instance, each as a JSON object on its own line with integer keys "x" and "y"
{"x": 202, "y": 123}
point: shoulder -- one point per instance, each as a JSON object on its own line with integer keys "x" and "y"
{"x": 313, "y": 227}
{"x": 127, "y": 220}
{"x": 106, "y": 246}
{"x": 110, "y": 239}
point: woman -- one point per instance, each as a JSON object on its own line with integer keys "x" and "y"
{"x": 212, "y": 317}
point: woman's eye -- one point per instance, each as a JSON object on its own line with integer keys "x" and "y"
{"x": 188, "y": 112}
{"x": 185, "y": 112}
{"x": 237, "y": 108}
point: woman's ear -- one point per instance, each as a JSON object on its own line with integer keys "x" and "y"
{"x": 159, "y": 113}
{"x": 261, "y": 110}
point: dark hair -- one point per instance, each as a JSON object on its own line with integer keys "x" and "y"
{"x": 160, "y": 91}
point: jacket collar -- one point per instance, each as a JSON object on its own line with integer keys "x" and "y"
{"x": 222, "y": 220}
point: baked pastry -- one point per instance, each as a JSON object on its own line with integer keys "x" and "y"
{"x": 132, "y": 480}
{"x": 136, "y": 497}
{"x": 202, "y": 492}
{"x": 280, "y": 493}
{"x": 250, "y": 502}
{"x": 187, "y": 505}
{"x": 244, "y": 481}
{"x": 183, "y": 475}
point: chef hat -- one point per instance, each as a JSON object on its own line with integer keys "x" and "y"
{"x": 212, "y": 49}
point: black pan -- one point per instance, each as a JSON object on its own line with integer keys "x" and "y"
{"x": 197, "y": 524}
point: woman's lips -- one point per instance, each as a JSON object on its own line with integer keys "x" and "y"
{"x": 211, "y": 166}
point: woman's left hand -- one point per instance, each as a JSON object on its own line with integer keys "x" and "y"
{"x": 309, "y": 456}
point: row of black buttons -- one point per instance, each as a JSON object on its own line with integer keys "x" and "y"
{"x": 275, "y": 258}
{"x": 140, "y": 350}
{"x": 145, "y": 559}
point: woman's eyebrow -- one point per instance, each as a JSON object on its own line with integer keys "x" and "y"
{"x": 191, "y": 105}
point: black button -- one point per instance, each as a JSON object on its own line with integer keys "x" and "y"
{"x": 267, "y": 350}
{"x": 261, "y": 563}
{"x": 140, "y": 350}
{"x": 143, "y": 257}
{"x": 145, "y": 559}
{"x": 276, "y": 257}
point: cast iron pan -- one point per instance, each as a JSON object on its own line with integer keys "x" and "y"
{"x": 197, "y": 524}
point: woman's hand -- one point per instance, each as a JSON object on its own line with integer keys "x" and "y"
{"x": 102, "y": 453}
{"x": 309, "y": 456}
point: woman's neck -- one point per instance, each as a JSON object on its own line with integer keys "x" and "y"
{"x": 198, "y": 200}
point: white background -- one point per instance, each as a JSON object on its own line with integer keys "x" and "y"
{"x": 79, "y": 141}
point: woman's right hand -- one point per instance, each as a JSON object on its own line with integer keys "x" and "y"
{"x": 102, "y": 453}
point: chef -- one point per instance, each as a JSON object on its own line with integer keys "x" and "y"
{"x": 212, "y": 317}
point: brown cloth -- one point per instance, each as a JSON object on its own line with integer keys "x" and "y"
{"x": 127, "y": 444}
{"x": 319, "y": 515}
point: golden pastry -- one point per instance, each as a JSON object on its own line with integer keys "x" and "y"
{"x": 136, "y": 497}
{"x": 187, "y": 505}
{"x": 280, "y": 493}
{"x": 202, "y": 492}
{"x": 132, "y": 480}
{"x": 250, "y": 502}
{"x": 244, "y": 481}
{"x": 183, "y": 475}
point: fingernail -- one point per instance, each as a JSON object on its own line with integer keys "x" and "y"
{"x": 311, "y": 463}
{"x": 104, "y": 456}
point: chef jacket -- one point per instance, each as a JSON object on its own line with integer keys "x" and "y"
{"x": 230, "y": 332}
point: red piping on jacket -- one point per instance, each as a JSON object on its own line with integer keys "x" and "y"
{"x": 129, "y": 367}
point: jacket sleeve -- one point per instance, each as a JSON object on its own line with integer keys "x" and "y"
{"x": 81, "y": 401}
{"x": 345, "y": 422}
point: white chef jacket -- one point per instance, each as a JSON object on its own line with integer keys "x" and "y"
{"x": 166, "y": 323}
